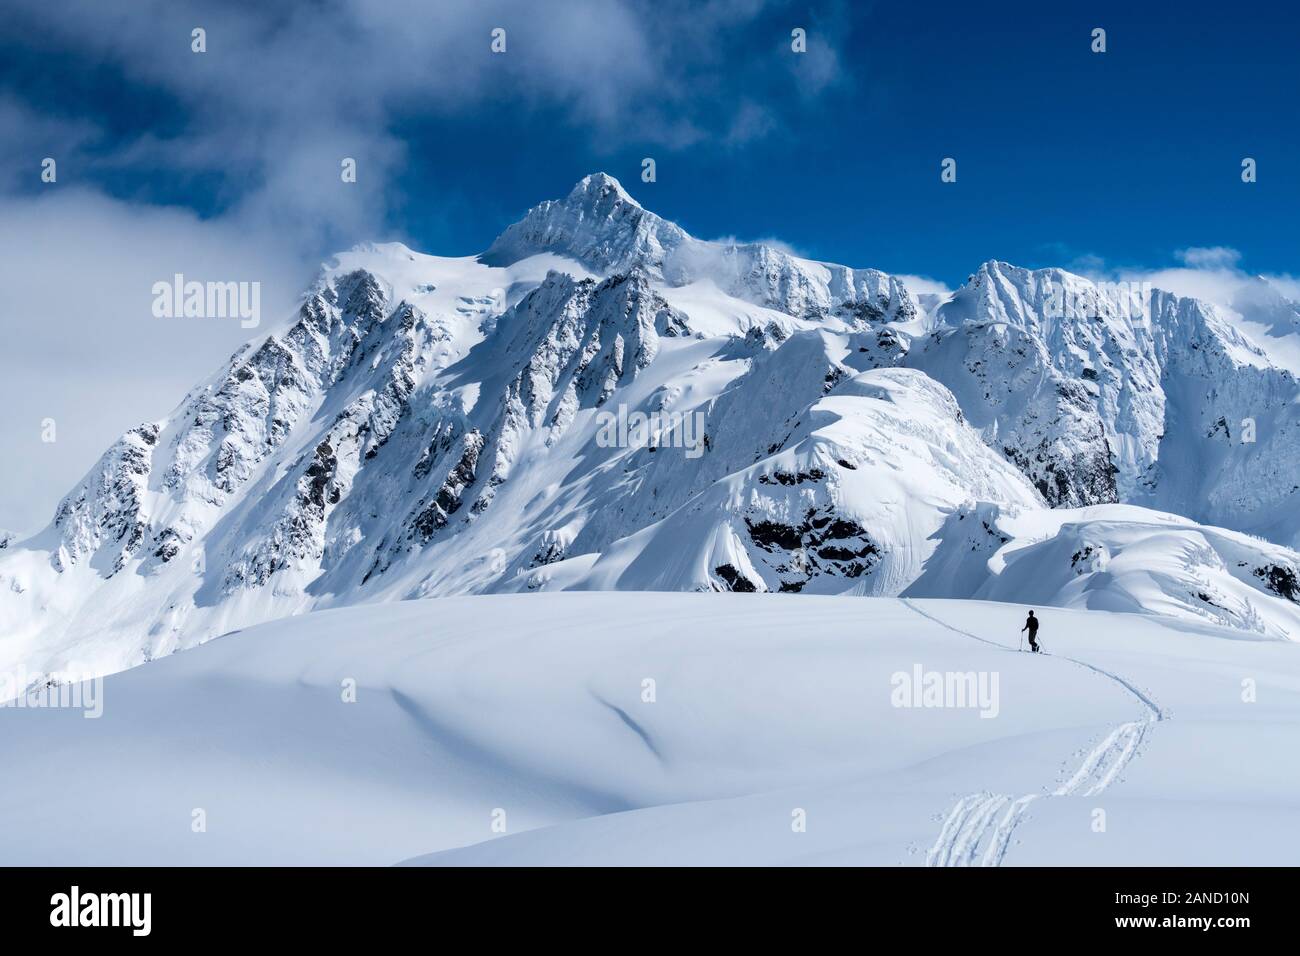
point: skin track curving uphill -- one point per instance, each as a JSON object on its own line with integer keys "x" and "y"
{"x": 978, "y": 829}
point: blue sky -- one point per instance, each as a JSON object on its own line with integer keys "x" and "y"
{"x": 1062, "y": 153}
{"x": 227, "y": 162}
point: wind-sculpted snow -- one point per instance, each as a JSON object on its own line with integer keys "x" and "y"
{"x": 604, "y": 401}
{"x": 1118, "y": 558}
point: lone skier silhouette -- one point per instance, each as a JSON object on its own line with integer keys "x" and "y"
{"x": 1031, "y": 625}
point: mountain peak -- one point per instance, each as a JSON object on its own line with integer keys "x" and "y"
{"x": 598, "y": 224}
{"x": 598, "y": 186}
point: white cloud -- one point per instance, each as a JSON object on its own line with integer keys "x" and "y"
{"x": 283, "y": 93}
{"x": 924, "y": 285}
{"x": 1209, "y": 273}
{"x": 772, "y": 242}
{"x": 77, "y": 271}
{"x": 1209, "y": 257}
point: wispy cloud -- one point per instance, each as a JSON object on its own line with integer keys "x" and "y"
{"x": 924, "y": 285}
{"x": 1209, "y": 257}
{"x": 284, "y": 92}
{"x": 1211, "y": 273}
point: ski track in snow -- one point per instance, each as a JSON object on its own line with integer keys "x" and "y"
{"x": 978, "y": 829}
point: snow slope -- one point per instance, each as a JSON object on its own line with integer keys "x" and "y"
{"x": 764, "y": 705}
{"x": 850, "y": 506}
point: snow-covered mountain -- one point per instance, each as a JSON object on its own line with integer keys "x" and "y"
{"x": 1168, "y": 406}
{"x": 603, "y": 401}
